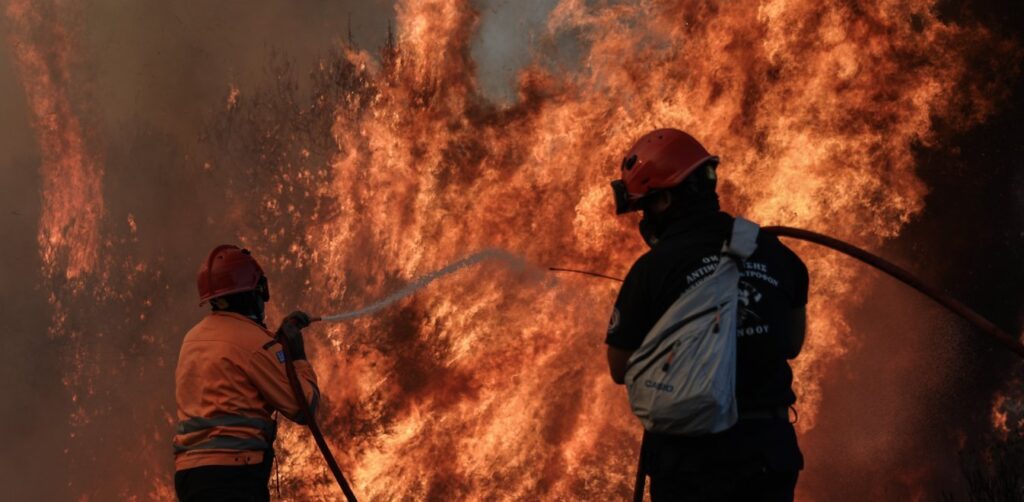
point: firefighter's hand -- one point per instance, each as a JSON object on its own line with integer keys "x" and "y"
{"x": 290, "y": 334}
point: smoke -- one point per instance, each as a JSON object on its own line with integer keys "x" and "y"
{"x": 506, "y": 41}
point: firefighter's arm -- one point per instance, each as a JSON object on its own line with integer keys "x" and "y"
{"x": 267, "y": 372}
{"x": 797, "y": 316}
{"x": 797, "y": 331}
{"x": 629, "y": 322}
{"x": 617, "y": 359}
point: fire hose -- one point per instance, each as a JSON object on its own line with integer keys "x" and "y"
{"x": 306, "y": 410}
{"x": 940, "y": 297}
{"x": 306, "y": 414}
{"x": 900, "y": 274}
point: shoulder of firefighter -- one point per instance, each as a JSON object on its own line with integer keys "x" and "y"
{"x": 229, "y": 381}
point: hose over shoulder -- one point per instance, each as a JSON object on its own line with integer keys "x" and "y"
{"x": 907, "y": 278}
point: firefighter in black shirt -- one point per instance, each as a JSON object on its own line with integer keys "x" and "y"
{"x": 671, "y": 178}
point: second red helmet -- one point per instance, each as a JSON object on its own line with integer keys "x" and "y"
{"x": 660, "y": 159}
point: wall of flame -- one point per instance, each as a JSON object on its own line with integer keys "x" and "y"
{"x": 490, "y": 385}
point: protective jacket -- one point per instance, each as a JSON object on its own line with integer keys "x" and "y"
{"x": 229, "y": 381}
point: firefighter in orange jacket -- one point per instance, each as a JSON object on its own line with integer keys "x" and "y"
{"x": 229, "y": 382}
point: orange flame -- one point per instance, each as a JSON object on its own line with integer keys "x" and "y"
{"x": 1000, "y": 415}
{"x": 492, "y": 386}
{"x": 1008, "y": 411}
{"x": 69, "y": 236}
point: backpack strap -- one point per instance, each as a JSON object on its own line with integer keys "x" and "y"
{"x": 743, "y": 241}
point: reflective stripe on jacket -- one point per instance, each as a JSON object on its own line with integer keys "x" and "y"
{"x": 229, "y": 380}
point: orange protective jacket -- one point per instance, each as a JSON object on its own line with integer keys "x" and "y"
{"x": 229, "y": 381}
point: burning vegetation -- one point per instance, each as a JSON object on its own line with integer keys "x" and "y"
{"x": 375, "y": 167}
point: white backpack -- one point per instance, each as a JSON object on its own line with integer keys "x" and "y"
{"x": 682, "y": 379}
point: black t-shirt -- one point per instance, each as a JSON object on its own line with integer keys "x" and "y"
{"x": 773, "y": 283}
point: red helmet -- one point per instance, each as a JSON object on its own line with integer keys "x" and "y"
{"x": 660, "y": 159}
{"x": 228, "y": 270}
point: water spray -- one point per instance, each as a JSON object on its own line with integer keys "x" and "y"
{"x": 511, "y": 260}
{"x": 514, "y": 261}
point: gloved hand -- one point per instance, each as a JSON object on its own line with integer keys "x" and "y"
{"x": 290, "y": 334}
